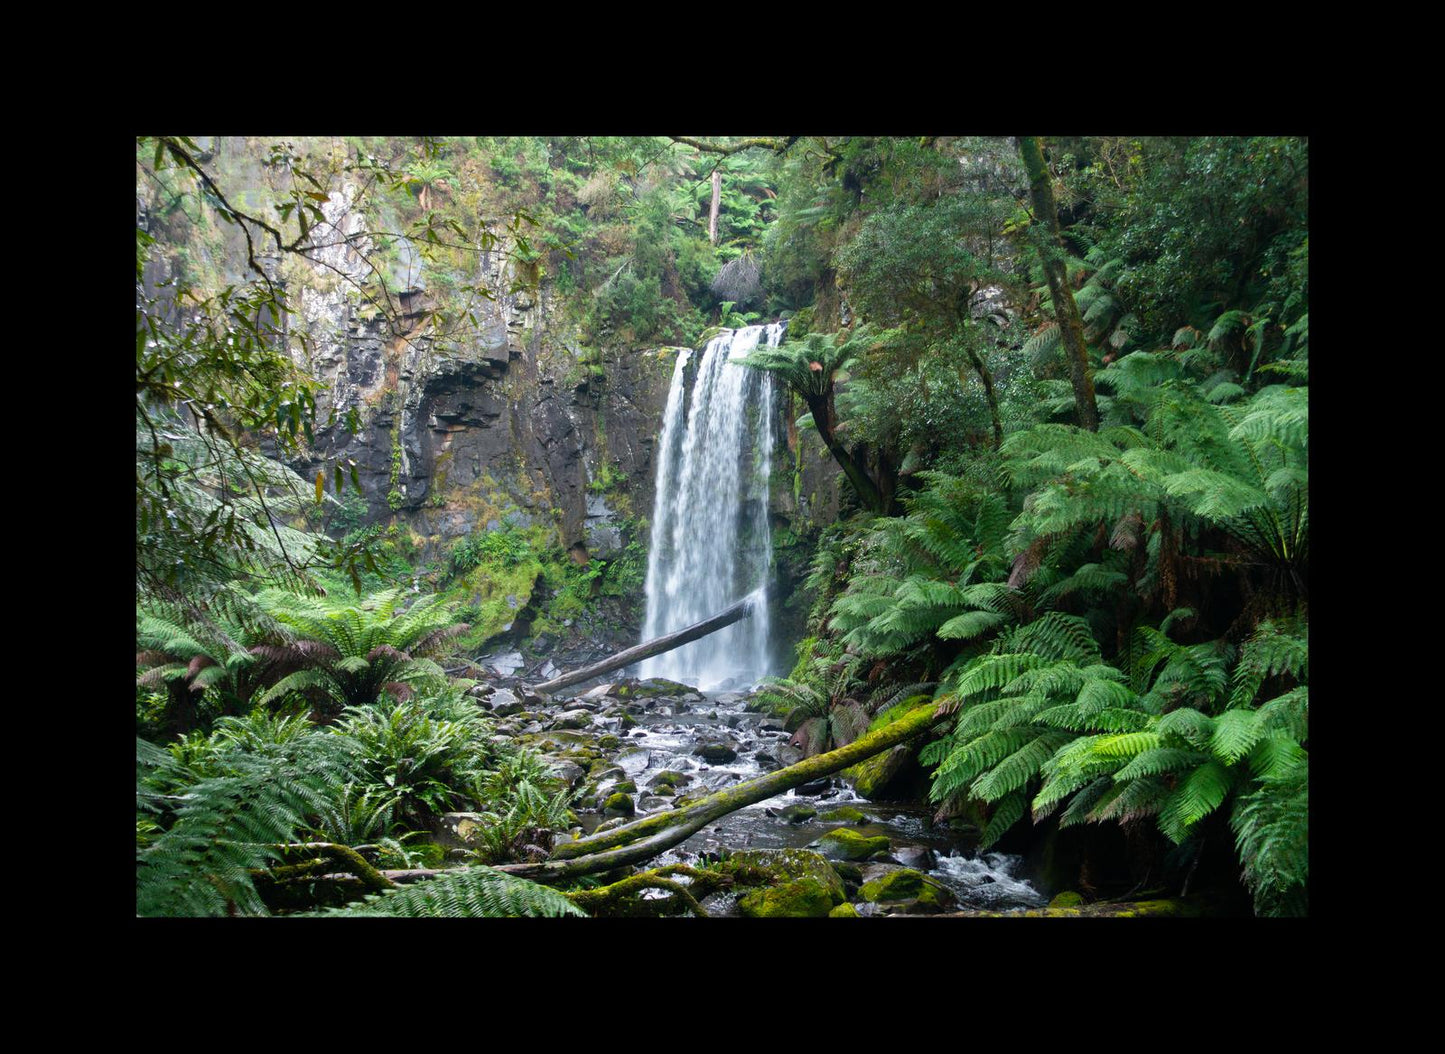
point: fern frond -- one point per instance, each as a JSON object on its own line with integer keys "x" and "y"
{"x": 1271, "y": 827}
{"x": 1139, "y": 798}
{"x": 1235, "y": 734}
{"x": 1201, "y": 792}
{"x": 1016, "y": 770}
{"x": 1005, "y": 814}
{"x": 473, "y": 892}
{"x": 1160, "y": 760}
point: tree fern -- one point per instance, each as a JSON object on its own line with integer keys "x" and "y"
{"x": 347, "y": 654}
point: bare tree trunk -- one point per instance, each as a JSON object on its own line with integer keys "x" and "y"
{"x": 713, "y": 210}
{"x": 741, "y": 610}
{"x": 1071, "y": 327}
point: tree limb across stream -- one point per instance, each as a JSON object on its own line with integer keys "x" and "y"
{"x": 741, "y": 610}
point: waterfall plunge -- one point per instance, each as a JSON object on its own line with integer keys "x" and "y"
{"x": 711, "y": 545}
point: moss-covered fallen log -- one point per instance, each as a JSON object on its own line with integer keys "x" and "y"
{"x": 620, "y": 898}
{"x": 643, "y": 839}
{"x": 328, "y": 856}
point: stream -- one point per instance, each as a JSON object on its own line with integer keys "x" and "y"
{"x": 693, "y": 735}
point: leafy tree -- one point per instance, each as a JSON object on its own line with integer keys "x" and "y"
{"x": 1206, "y": 225}
{"x": 920, "y": 267}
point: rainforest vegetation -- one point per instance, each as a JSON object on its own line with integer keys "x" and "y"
{"x": 1058, "y": 385}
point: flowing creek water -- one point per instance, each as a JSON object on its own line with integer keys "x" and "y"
{"x": 674, "y": 734}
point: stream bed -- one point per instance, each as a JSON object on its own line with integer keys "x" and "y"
{"x": 681, "y": 746}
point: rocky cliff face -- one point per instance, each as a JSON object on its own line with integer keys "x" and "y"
{"x": 504, "y": 415}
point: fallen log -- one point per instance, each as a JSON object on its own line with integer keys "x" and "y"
{"x": 645, "y": 838}
{"x": 741, "y": 610}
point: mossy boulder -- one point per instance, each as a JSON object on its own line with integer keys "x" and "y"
{"x": 890, "y": 776}
{"x": 792, "y": 883}
{"x": 1067, "y": 899}
{"x": 846, "y": 814}
{"x": 619, "y": 804}
{"x": 626, "y": 787}
{"x": 844, "y": 911}
{"x": 798, "y": 813}
{"x": 717, "y": 752}
{"x": 907, "y": 891}
{"x": 669, "y": 778}
{"x": 649, "y": 689}
{"x": 844, "y": 843}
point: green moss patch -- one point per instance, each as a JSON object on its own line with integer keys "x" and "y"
{"x": 847, "y": 844}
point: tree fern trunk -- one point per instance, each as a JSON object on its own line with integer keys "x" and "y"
{"x": 1071, "y": 327}
{"x": 868, "y": 492}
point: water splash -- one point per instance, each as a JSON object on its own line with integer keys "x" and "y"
{"x": 711, "y": 543}
{"x": 989, "y": 881}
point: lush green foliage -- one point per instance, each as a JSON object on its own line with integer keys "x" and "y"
{"x": 213, "y": 812}
{"x": 1117, "y": 620}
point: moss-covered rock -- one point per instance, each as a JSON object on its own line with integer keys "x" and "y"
{"x": 794, "y": 883}
{"x": 619, "y": 804}
{"x": 846, "y": 814}
{"x": 649, "y": 689}
{"x": 844, "y": 911}
{"x": 669, "y": 778}
{"x": 626, "y": 787}
{"x": 906, "y": 890}
{"x": 803, "y": 899}
{"x": 718, "y": 752}
{"x": 890, "y": 776}
{"x": 798, "y": 813}
{"x": 847, "y": 844}
{"x": 1067, "y": 899}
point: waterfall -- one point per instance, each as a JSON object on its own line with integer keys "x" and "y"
{"x": 711, "y": 544}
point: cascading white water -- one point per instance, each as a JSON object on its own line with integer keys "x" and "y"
{"x": 711, "y": 545}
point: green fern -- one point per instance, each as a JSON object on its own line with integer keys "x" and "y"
{"x": 221, "y": 828}
{"x": 472, "y": 892}
{"x": 348, "y": 654}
